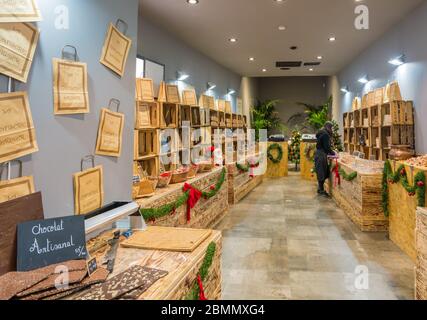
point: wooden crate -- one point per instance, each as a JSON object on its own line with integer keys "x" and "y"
{"x": 245, "y": 121}
{"x": 374, "y": 137}
{"x": 169, "y": 141}
{"x": 221, "y": 117}
{"x": 196, "y": 117}
{"x": 375, "y": 116}
{"x": 390, "y": 113}
{"x": 360, "y": 199}
{"x": 277, "y": 170}
{"x": 240, "y": 123}
{"x": 168, "y": 115}
{"x": 240, "y": 184}
{"x": 390, "y": 136}
{"x": 214, "y": 118}
{"x": 421, "y": 248}
{"x": 403, "y": 212}
{"x": 406, "y": 112}
{"x": 346, "y": 120}
{"x": 147, "y": 115}
{"x": 235, "y": 120}
{"x": 365, "y": 120}
{"x": 146, "y": 143}
{"x": 229, "y": 120}
{"x": 307, "y": 165}
{"x": 168, "y": 162}
{"x": 364, "y": 102}
{"x": 371, "y": 99}
{"x": 196, "y": 136}
{"x": 184, "y": 116}
{"x": 221, "y": 105}
{"x": 228, "y": 108}
{"x": 206, "y": 214}
{"x": 357, "y": 115}
{"x": 150, "y": 165}
{"x": 144, "y": 90}
{"x": 378, "y": 96}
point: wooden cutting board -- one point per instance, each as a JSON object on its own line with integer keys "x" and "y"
{"x": 167, "y": 239}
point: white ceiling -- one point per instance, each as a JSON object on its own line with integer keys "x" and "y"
{"x": 208, "y": 26}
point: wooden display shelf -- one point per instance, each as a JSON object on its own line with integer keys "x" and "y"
{"x": 214, "y": 118}
{"x": 403, "y": 212}
{"x": 277, "y": 170}
{"x": 168, "y": 115}
{"x": 182, "y": 268}
{"x": 195, "y": 117}
{"x": 184, "y": 116}
{"x": 146, "y": 143}
{"x": 421, "y": 262}
{"x": 205, "y": 118}
{"x": 150, "y": 165}
{"x": 147, "y": 115}
{"x": 221, "y": 117}
{"x": 361, "y": 198}
{"x": 229, "y": 120}
{"x": 240, "y": 184}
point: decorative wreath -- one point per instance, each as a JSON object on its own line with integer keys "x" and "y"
{"x": 309, "y": 152}
{"x": 279, "y": 149}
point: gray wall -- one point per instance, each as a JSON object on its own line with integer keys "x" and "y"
{"x": 64, "y": 140}
{"x": 158, "y": 45}
{"x": 408, "y": 37}
{"x": 290, "y": 91}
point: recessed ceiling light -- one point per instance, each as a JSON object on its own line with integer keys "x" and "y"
{"x": 319, "y": 57}
{"x": 192, "y": 1}
{"x": 332, "y": 39}
{"x": 279, "y": 1}
{"x": 282, "y": 28}
{"x": 251, "y": 59}
{"x": 264, "y": 70}
{"x": 311, "y": 69}
{"x": 232, "y": 40}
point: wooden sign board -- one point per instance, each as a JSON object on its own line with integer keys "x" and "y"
{"x": 19, "y": 11}
{"x": 221, "y": 105}
{"x": 16, "y": 188}
{"x": 172, "y": 94}
{"x": 70, "y": 87}
{"x": 116, "y": 50}
{"x": 110, "y": 133}
{"x": 18, "y": 45}
{"x": 88, "y": 190}
{"x": 45, "y": 242}
{"x": 144, "y": 90}
{"x": 17, "y": 134}
{"x": 189, "y": 98}
{"x": 12, "y": 213}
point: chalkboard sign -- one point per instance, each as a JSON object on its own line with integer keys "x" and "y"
{"x": 45, "y": 242}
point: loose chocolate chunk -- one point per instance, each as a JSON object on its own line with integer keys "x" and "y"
{"x": 14, "y": 282}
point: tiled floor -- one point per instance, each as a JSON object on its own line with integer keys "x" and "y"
{"x": 284, "y": 242}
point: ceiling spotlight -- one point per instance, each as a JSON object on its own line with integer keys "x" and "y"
{"x": 192, "y": 1}
{"x": 332, "y": 39}
{"x": 211, "y": 86}
{"x": 398, "y": 61}
{"x": 264, "y": 70}
{"x": 364, "y": 80}
{"x": 231, "y": 92}
{"x": 279, "y": 1}
{"x": 251, "y": 59}
{"x": 282, "y": 28}
{"x": 345, "y": 90}
{"x": 181, "y": 76}
{"x": 232, "y": 40}
{"x": 319, "y": 57}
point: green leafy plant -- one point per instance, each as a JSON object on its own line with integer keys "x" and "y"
{"x": 317, "y": 115}
{"x": 264, "y": 116}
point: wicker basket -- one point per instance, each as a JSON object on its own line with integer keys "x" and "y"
{"x": 164, "y": 179}
{"x": 194, "y": 169}
{"x": 206, "y": 166}
{"x": 147, "y": 187}
{"x": 179, "y": 176}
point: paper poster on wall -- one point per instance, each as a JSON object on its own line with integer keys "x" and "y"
{"x": 70, "y": 87}
{"x": 19, "y": 11}
{"x": 144, "y": 90}
{"x": 88, "y": 190}
{"x": 116, "y": 50}
{"x": 14, "y": 188}
{"x": 17, "y": 134}
{"x": 110, "y": 132}
{"x": 18, "y": 42}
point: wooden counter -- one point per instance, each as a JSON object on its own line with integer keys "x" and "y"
{"x": 206, "y": 214}
{"x": 421, "y": 248}
{"x": 278, "y": 170}
{"x": 306, "y": 165}
{"x": 403, "y": 209}
{"x": 183, "y": 269}
{"x": 240, "y": 183}
{"x": 361, "y": 199}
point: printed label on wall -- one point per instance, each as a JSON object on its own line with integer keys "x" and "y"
{"x": 88, "y": 190}
{"x": 70, "y": 89}
{"x": 116, "y": 50}
{"x": 17, "y": 134}
{"x": 19, "y": 11}
{"x": 18, "y": 42}
{"x": 16, "y": 188}
{"x": 110, "y": 132}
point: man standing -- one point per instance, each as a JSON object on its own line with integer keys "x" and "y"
{"x": 324, "y": 149}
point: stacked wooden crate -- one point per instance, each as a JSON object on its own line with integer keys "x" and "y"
{"x": 421, "y": 264}
{"x": 383, "y": 121}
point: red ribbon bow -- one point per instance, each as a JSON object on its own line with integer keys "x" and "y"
{"x": 193, "y": 197}
{"x": 201, "y": 290}
{"x": 337, "y": 180}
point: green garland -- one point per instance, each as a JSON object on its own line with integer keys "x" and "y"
{"x": 242, "y": 167}
{"x": 278, "y": 147}
{"x": 157, "y": 213}
{"x": 203, "y": 271}
{"x": 419, "y": 187}
{"x": 347, "y": 177}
